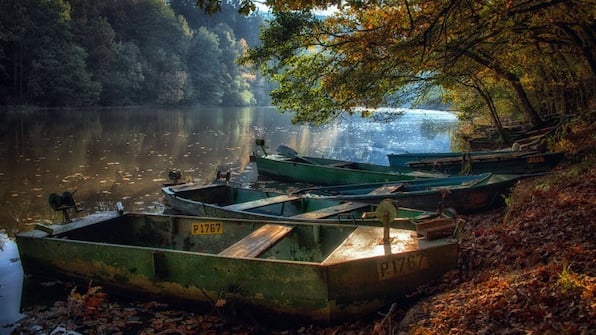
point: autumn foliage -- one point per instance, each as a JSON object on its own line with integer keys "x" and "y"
{"x": 522, "y": 60}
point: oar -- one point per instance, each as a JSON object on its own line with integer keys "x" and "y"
{"x": 291, "y": 153}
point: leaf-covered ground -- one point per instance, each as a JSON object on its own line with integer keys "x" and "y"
{"x": 529, "y": 268}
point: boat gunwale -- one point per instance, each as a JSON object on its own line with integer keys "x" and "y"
{"x": 482, "y": 179}
{"x": 485, "y": 158}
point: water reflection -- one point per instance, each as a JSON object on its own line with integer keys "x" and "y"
{"x": 109, "y": 155}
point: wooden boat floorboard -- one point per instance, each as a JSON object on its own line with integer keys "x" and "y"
{"x": 329, "y": 211}
{"x": 258, "y": 241}
{"x": 367, "y": 242}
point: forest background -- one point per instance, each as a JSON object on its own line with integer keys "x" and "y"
{"x": 126, "y": 52}
{"x": 521, "y": 60}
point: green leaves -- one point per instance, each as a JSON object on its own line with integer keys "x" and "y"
{"x": 374, "y": 49}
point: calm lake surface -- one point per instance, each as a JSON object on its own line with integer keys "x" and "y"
{"x": 125, "y": 154}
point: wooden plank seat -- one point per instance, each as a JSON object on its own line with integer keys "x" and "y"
{"x": 386, "y": 189}
{"x": 261, "y": 202}
{"x": 330, "y": 211}
{"x": 257, "y": 242}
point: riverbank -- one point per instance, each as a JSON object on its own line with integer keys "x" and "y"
{"x": 526, "y": 268}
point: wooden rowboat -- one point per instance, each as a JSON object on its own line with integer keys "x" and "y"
{"x": 465, "y": 194}
{"x": 287, "y": 165}
{"x": 401, "y": 160}
{"x": 302, "y": 271}
{"x": 225, "y": 200}
{"x": 521, "y": 163}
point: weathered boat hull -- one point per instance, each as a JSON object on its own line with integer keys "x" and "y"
{"x": 465, "y": 194}
{"x": 401, "y": 160}
{"x": 522, "y": 163}
{"x": 321, "y": 171}
{"x": 325, "y": 273}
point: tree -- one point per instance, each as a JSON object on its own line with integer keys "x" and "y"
{"x": 126, "y": 52}
{"x": 163, "y": 39}
{"x": 57, "y": 73}
{"x": 368, "y": 51}
{"x": 235, "y": 82}
{"x": 125, "y": 83}
{"x": 13, "y": 27}
{"x": 205, "y": 68}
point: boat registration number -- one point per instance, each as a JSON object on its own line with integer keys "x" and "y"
{"x": 207, "y": 228}
{"x": 401, "y": 265}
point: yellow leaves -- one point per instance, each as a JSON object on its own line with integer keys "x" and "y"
{"x": 568, "y": 280}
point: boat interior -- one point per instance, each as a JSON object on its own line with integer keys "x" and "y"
{"x": 314, "y": 243}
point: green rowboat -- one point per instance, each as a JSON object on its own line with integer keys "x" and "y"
{"x": 225, "y": 200}
{"x": 286, "y": 165}
{"x": 301, "y": 271}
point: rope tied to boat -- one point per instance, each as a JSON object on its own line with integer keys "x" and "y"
{"x": 466, "y": 164}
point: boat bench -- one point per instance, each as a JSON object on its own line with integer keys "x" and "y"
{"x": 260, "y": 202}
{"x": 329, "y": 211}
{"x": 385, "y": 189}
{"x": 258, "y": 241}
{"x": 437, "y": 228}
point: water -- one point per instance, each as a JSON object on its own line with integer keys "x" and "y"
{"x": 110, "y": 155}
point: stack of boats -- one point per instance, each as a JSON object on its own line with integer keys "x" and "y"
{"x": 354, "y": 239}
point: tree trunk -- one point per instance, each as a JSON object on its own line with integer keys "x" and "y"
{"x": 491, "y": 107}
{"x": 586, "y": 45}
{"x": 535, "y": 119}
{"x": 513, "y": 79}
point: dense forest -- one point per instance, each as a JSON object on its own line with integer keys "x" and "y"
{"x": 126, "y": 52}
